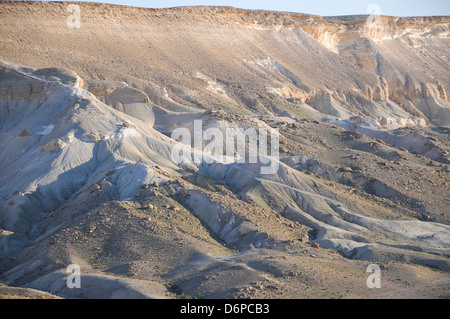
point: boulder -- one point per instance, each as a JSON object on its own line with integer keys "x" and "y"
{"x": 25, "y": 132}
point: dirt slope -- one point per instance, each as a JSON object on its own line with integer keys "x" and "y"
{"x": 239, "y": 60}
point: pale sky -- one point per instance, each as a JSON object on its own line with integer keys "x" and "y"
{"x": 402, "y": 8}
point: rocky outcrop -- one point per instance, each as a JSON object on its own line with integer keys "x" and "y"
{"x": 53, "y": 146}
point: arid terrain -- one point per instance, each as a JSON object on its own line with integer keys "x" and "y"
{"x": 87, "y": 175}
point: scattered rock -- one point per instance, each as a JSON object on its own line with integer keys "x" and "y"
{"x": 25, "y": 132}
{"x": 191, "y": 170}
{"x": 295, "y": 125}
{"x": 53, "y": 146}
{"x": 185, "y": 194}
{"x": 304, "y": 239}
{"x": 94, "y": 187}
{"x": 94, "y": 137}
{"x": 357, "y": 119}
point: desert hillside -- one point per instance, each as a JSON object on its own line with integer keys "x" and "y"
{"x": 245, "y": 61}
{"x": 87, "y": 175}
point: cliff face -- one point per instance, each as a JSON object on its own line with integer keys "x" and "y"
{"x": 396, "y": 73}
{"x": 408, "y": 55}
